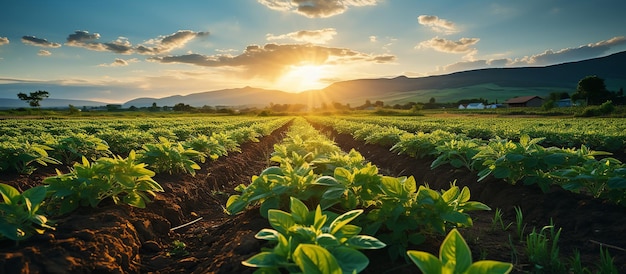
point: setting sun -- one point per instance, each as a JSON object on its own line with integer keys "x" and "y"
{"x": 304, "y": 77}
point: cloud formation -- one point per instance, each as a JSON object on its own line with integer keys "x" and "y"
{"x": 316, "y": 8}
{"x": 272, "y": 60}
{"x": 437, "y": 24}
{"x": 164, "y": 44}
{"x": 121, "y": 45}
{"x": 571, "y": 54}
{"x": 321, "y": 36}
{"x": 39, "y": 42}
{"x": 43, "y": 52}
{"x": 464, "y": 45}
{"x": 4, "y": 41}
{"x": 548, "y": 57}
{"x": 119, "y": 62}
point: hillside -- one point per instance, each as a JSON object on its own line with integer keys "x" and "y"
{"x": 493, "y": 84}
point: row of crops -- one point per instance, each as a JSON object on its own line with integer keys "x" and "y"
{"x": 608, "y": 134}
{"x": 98, "y": 171}
{"x": 522, "y": 159}
{"x": 26, "y": 143}
{"x": 334, "y": 196}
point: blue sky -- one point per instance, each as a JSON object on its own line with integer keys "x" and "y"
{"x": 114, "y": 51}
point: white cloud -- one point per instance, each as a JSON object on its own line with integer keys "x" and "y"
{"x": 4, "y": 41}
{"x": 548, "y": 57}
{"x": 321, "y": 36}
{"x": 463, "y": 45}
{"x": 373, "y": 39}
{"x": 39, "y": 42}
{"x": 272, "y": 60}
{"x": 165, "y": 44}
{"x": 44, "y": 52}
{"x": 118, "y": 62}
{"x": 121, "y": 45}
{"x": 437, "y": 24}
{"x": 316, "y": 8}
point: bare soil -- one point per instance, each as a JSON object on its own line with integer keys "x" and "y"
{"x": 122, "y": 239}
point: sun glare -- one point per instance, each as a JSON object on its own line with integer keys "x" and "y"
{"x": 304, "y": 77}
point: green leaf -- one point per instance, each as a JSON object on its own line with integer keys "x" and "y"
{"x": 365, "y": 242}
{"x": 489, "y": 267}
{"x": 267, "y": 234}
{"x": 501, "y": 172}
{"x": 617, "y": 183}
{"x": 35, "y": 194}
{"x": 9, "y": 194}
{"x": 350, "y": 260}
{"x": 514, "y": 157}
{"x": 264, "y": 259}
{"x": 269, "y": 203}
{"x": 426, "y": 262}
{"x": 327, "y": 240}
{"x": 313, "y": 259}
{"x": 456, "y": 217}
{"x": 280, "y": 220}
{"x": 299, "y": 211}
{"x": 344, "y": 219}
{"x": 455, "y": 253}
{"x": 235, "y": 204}
{"x": 326, "y": 181}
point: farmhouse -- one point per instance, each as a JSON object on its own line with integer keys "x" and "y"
{"x": 525, "y": 101}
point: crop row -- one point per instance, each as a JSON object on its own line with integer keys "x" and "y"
{"x": 68, "y": 141}
{"x": 98, "y": 174}
{"x": 312, "y": 172}
{"x": 524, "y": 160}
{"x": 607, "y": 134}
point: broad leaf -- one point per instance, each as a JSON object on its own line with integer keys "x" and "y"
{"x": 426, "y": 262}
{"x": 455, "y": 253}
{"x": 344, "y": 219}
{"x": 313, "y": 259}
{"x": 489, "y": 267}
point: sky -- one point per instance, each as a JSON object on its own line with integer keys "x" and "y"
{"x": 117, "y": 50}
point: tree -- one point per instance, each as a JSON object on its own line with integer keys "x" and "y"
{"x": 432, "y": 100}
{"x": 34, "y": 97}
{"x": 593, "y": 90}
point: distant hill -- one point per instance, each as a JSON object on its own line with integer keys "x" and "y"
{"x": 493, "y": 84}
{"x": 9, "y": 103}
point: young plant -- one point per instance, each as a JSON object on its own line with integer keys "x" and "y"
{"x": 455, "y": 257}
{"x": 498, "y": 221}
{"x": 606, "y": 264}
{"x": 519, "y": 222}
{"x": 71, "y": 149}
{"x": 406, "y": 213}
{"x": 170, "y": 157}
{"x": 312, "y": 242}
{"x": 19, "y": 212}
{"x": 123, "y": 180}
{"x": 18, "y": 155}
{"x": 543, "y": 250}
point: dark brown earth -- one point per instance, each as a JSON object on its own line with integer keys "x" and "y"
{"x": 122, "y": 239}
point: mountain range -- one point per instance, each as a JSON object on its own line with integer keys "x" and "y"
{"x": 493, "y": 84}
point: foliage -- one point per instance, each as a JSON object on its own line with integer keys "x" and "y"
{"x": 170, "y": 157}
{"x": 18, "y": 155}
{"x": 592, "y": 89}
{"x": 124, "y": 180}
{"x": 20, "y": 215}
{"x": 605, "y": 178}
{"x": 605, "y": 108}
{"x": 313, "y": 242}
{"x": 34, "y": 97}
{"x": 406, "y": 213}
{"x": 209, "y": 146}
{"x": 543, "y": 250}
{"x": 72, "y": 148}
{"x": 455, "y": 257}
